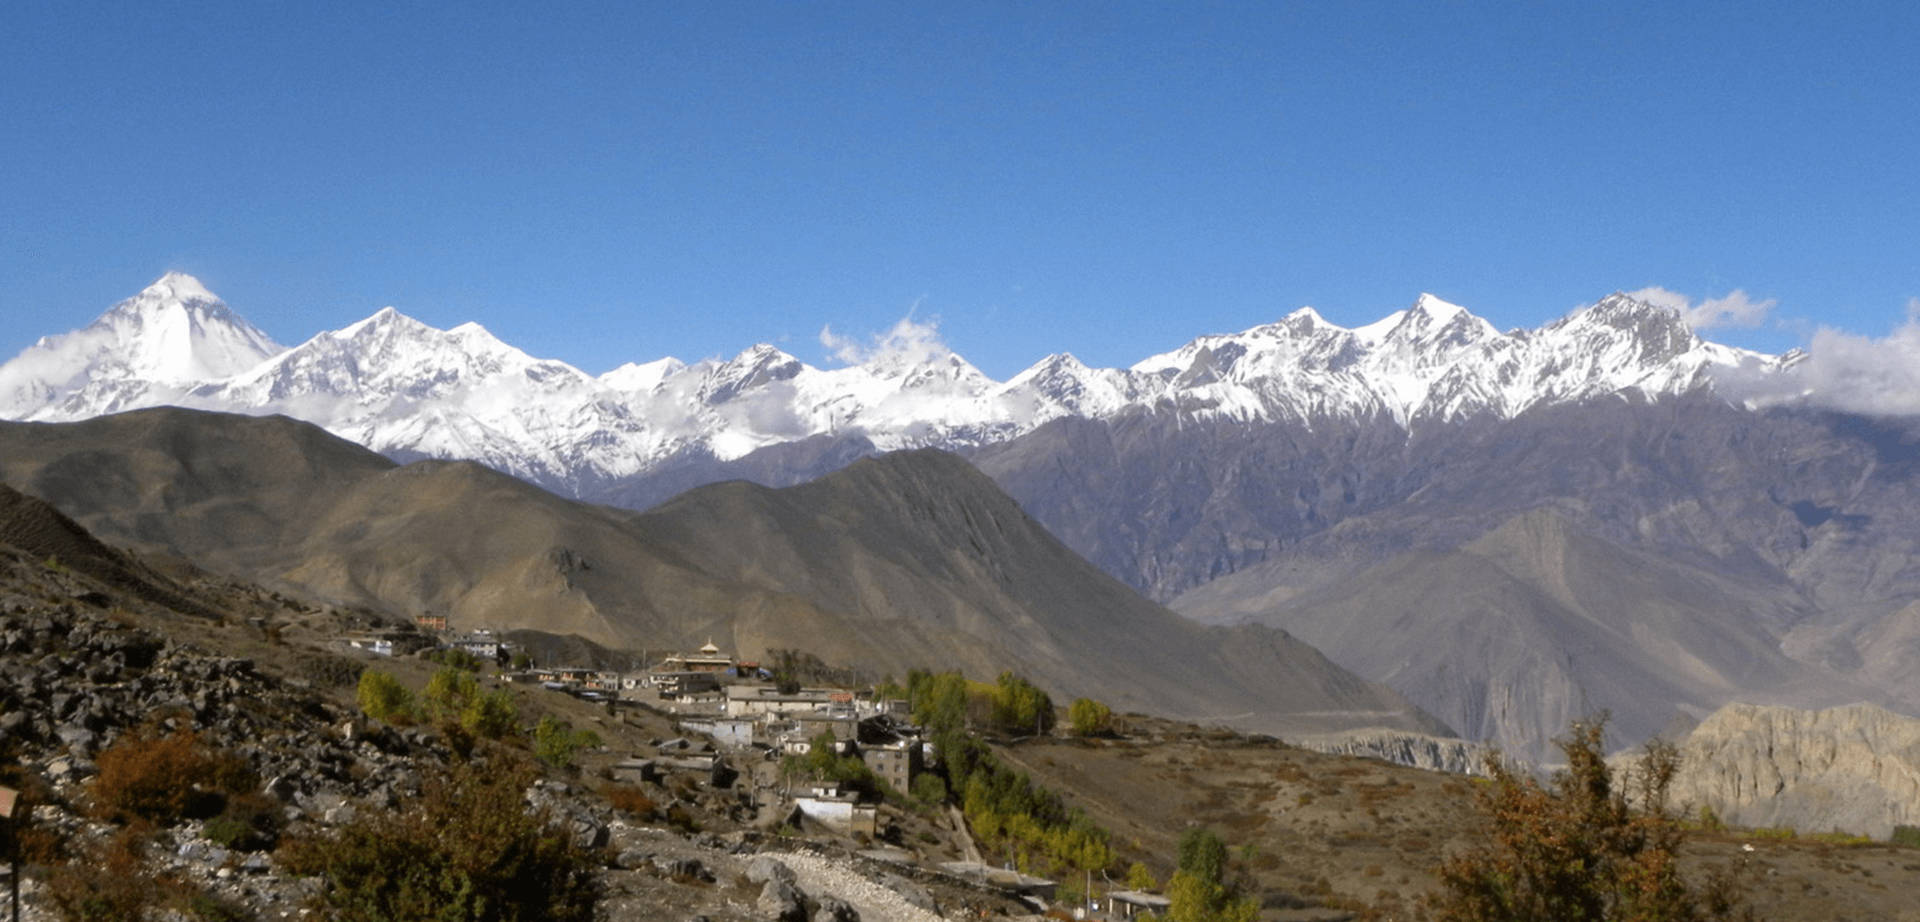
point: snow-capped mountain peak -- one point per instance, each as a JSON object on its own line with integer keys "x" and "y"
{"x": 175, "y": 331}
{"x": 642, "y": 376}
{"x": 1305, "y": 318}
{"x": 755, "y": 367}
{"x": 177, "y": 286}
{"x": 143, "y": 350}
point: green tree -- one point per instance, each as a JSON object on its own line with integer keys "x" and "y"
{"x": 1203, "y": 854}
{"x": 448, "y": 692}
{"x": 929, "y": 789}
{"x": 1580, "y": 848}
{"x": 555, "y": 742}
{"x": 938, "y": 700}
{"x": 459, "y": 659}
{"x": 1139, "y": 878}
{"x": 491, "y": 716}
{"x": 823, "y": 762}
{"x": 1088, "y": 717}
{"x": 1019, "y": 706}
{"x": 382, "y": 697}
{"x": 1199, "y": 890}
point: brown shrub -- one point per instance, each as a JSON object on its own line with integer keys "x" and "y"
{"x": 115, "y": 884}
{"x": 164, "y": 779}
{"x": 631, "y": 800}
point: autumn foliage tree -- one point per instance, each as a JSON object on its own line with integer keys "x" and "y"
{"x": 1585, "y": 847}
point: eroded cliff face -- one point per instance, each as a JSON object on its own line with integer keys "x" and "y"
{"x": 1854, "y": 768}
{"x": 1433, "y": 753}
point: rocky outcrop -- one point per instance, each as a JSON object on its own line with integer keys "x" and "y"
{"x": 1433, "y": 753}
{"x": 1854, "y": 769}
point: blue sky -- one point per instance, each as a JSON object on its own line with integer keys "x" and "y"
{"x": 609, "y": 183}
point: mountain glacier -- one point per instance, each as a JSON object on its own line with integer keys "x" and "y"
{"x": 409, "y": 390}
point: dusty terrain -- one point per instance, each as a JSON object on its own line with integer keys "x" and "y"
{"x": 1326, "y": 837}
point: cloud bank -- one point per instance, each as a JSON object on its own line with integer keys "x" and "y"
{"x": 1842, "y": 371}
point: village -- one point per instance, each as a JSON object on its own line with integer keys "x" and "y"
{"x": 743, "y": 730}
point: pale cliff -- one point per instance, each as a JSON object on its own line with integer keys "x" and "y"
{"x": 1854, "y": 768}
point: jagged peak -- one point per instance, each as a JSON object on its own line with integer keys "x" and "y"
{"x": 1433, "y": 306}
{"x": 1065, "y": 360}
{"x": 173, "y": 291}
{"x": 761, "y": 354}
{"x": 1621, "y": 304}
{"x": 384, "y": 319}
{"x": 1059, "y": 364}
{"x": 643, "y": 375}
{"x": 1306, "y": 317}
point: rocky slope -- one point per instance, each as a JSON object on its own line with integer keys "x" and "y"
{"x": 1853, "y": 769}
{"x": 88, "y": 664}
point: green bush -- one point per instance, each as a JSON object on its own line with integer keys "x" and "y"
{"x": 449, "y": 691}
{"x": 466, "y": 850}
{"x": 250, "y": 823}
{"x": 458, "y": 659}
{"x": 1139, "y": 878}
{"x": 1908, "y": 836}
{"x": 382, "y": 697}
{"x": 1709, "y": 820}
{"x": 1019, "y": 706}
{"x": 823, "y": 763}
{"x": 929, "y": 789}
{"x": 491, "y": 716}
{"x": 1088, "y": 717}
{"x": 555, "y": 742}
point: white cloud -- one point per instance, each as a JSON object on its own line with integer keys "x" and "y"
{"x": 1661, "y": 297}
{"x": 844, "y": 348}
{"x": 1844, "y": 371}
{"x": 1735, "y": 309}
{"x": 908, "y": 343}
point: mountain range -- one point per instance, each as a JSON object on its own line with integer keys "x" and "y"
{"x": 1512, "y": 529}
{"x": 409, "y": 390}
{"x": 909, "y": 560}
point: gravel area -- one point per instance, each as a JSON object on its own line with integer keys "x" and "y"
{"x": 821, "y": 877}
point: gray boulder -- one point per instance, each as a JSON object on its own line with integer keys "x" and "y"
{"x": 781, "y": 901}
{"x": 763, "y": 868}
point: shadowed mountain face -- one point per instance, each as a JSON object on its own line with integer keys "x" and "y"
{"x": 908, "y": 560}
{"x": 1780, "y": 549}
{"x": 1513, "y": 635}
{"x": 43, "y": 533}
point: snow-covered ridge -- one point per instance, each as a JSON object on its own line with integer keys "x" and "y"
{"x": 405, "y": 388}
